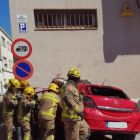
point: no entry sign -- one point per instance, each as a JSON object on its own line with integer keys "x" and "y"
{"x": 22, "y": 69}
{"x": 21, "y": 48}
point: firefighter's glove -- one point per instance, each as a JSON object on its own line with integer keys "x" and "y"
{"x": 20, "y": 96}
{"x": 81, "y": 115}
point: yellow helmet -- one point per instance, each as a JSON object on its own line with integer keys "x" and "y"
{"x": 28, "y": 92}
{"x": 54, "y": 87}
{"x": 74, "y": 72}
{"x": 13, "y": 83}
{"x": 24, "y": 83}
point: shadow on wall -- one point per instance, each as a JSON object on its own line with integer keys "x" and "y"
{"x": 121, "y": 34}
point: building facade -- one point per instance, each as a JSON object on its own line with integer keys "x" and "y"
{"x": 87, "y": 34}
{"x": 6, "y": 60}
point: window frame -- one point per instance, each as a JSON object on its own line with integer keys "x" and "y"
{"x": 64, "y": 14}
{"x": 5, "y": 81}
{"x": 8, "y": 45}
{"x": 9, "y": 64}
{"x": 5, "y": 62}
{"x": 3, "y": 42}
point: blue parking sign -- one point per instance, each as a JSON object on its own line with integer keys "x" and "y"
{"x": 22, "y": 28}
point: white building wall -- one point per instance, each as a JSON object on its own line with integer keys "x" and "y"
{"x": 1, "y": 78}
{"x": 7, "y": 60}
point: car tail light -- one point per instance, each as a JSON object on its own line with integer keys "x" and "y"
{"x": 88, "y": 102}
{"x": 135, "y": 109}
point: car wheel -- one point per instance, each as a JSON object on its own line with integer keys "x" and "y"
{"x": 123, "y": 137}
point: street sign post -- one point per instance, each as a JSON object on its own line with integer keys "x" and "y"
{"x": 21, "y": 48}
{"x": 22, "y": 69}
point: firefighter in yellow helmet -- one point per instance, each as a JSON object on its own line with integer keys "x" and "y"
{"x": 25, "y": 105}
{"x": 9, "y": 107}
{"x": 72, "y": 109}
{"x": 47, "y": 112}
{"x": 24, "y": 84}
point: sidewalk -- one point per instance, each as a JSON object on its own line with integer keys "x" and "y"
{"x": 137, "y": 137}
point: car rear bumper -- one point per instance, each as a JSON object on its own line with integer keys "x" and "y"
{"x": 97, "y": 122}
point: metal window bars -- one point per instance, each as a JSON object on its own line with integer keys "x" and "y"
{"x": 65, "y": 19}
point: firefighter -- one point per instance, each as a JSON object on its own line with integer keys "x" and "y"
{"x": 25, "y": 105}
{"x": 47, "y": 112}
{"x": 24, "y": 84}
{"x": 59, "y": 81}
{"x": 9, "y": 107}
{"x": 72, "y": 109}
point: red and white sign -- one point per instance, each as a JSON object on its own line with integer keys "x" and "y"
{"x": 23, "y": 69}
{"x": 21, "y": 48}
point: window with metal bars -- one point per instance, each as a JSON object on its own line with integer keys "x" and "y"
{"x": 65, "y": 19}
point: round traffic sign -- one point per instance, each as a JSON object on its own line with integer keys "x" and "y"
{"x": 21, "y": 48}
{"x": 22, "y": 69}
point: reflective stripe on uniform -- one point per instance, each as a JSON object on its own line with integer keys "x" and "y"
{"x": 14, "y": 97}
{"x": 52, "y": 108}
{"x": 27, "y": 137}
{"x": 20, "y": 113}
{"x": 49, "y": 98}
{"x": 50, "y": 112}
{"x": 52, "y": 137}
{"x": 23, "y": 118}
{"x": 9, "y": 136}
{"x": 75, "y": 89}
{"x": 33, "y": 102}
{"x": 45, "y": 113}
{"x": 4, "y": 109}
{"x": 76, "y": 108}
{"x": 65, "y": 107}
{"x": 64, "y": 114}
{"x": 70, "y": 116}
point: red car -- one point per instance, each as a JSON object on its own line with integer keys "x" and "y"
{"x": 109, "y": 110}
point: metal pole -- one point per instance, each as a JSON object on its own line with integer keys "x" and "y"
{"x": 19, "y": 133}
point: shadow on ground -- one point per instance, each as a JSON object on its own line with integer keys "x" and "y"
{"x": 98, "y": 137}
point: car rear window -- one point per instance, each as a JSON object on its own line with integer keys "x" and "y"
{"x": 107, "y": 92}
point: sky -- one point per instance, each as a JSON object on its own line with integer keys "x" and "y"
{"x": 5, "y": 16}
